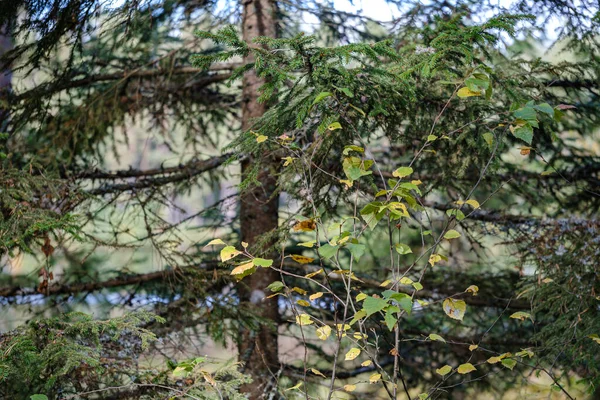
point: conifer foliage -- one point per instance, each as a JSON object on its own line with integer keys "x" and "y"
{"x": 414, "y": 211}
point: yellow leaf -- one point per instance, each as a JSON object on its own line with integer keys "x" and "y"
{"x": 261, "y": 138}
{"x": 385, "y": 283}
{"x": 366, "y": 363}
{"x": 215, "y": 242}
{"x": 473, "y": 347}
{"x": 406, "y": 281}
{"x": 302, "y": 259}
{"x": 445, "y": 370}
{"x": 228, "y": 252}
{"x": 304, "y": 319}
{"x": 307, "y": 244}
{"x": 295, "y": 387}
{"x": 473, "y": 289}
{"x": 323, "y": 332}
{"x": 466, "y": 368}
{"x": 466, "y": 92}
{"x": 288, "y": 161}
{"x": 352, "y": 354}
{"x": 242, "y": 268}
{"x": 314, "y": 273}
{"x": 299, "y": 290}
{"x": 305, "y": 226}
{"x": 361, "y": 296}
{"x": 347, "y": 182}
{"x": 317, "y": 372}
{"x": 359, "y": 336}
{"x": 416, "y": 182}
{"x": 374, "y": 378}
{"x": 521, "y": 315}
{"x": 315, "y": 296}
{"x": 455, "y": 309}
{"x": 349, "y": 388}
{"x": 434, "y": 258}
{"x": 303, "y": 303}
{"x": 473, "y": 203}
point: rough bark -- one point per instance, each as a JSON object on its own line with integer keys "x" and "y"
{"x": 258, "y": 348}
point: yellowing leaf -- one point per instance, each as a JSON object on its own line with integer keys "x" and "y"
{"x": 361, "y": 297}
{"x": 402, "y": 172}
{"x": 434, "y": 259}
{"x": 436, "y": 337}
{"x": 324, "y": 332}
{"x": 385, "y": 283}
{"x": 295, "y": 387}
{"x": 406, "y": 281}
{"x": 473, "y": 203}
{"x": 455, "y": 309}
{"x": 466, "y": 92}
{"x": 352, "y": 354}
{"x": 303, "y": 303}
{"x": 307, "y": 244}
{"x": 305, "y": 226}
{"x": 473, "y": 347}
{"x": 304, "y": 319}
{"x": 299, "y": 290}
{"x": 466, "y": 368}
{"x": 521, "y": 315}
{"x": 261, "y": 262}
{"x": 431, "y": 138}
{"x": 445, "y": 370}
{"x": 334, "y": 125}
{"x": 261, "y": 138}
{"x": 366, "y": 363}
{"x": 302, "y": 259}
{"x": 288, "y": 161}
{"x": 374, "y": 378}
{"x": 451, "y": 234}
{"x": 229, "y": 252}
{"x": 317, "y": 272}
{"x": 317, "y": 372}
{"x": 315, "y": 296}
{"x": 215, "y": 242}
{"x": 473, "y": 289}
{"x": 349, "y": 388}
{"x": 242, "y": 268}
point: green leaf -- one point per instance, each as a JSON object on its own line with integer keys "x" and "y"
{"x": 348, "y": 149}
{"x": 327, "y": 251}
{"x": 38, "y": 397}
{"x": 489, "y": 139}
{"x": 523, "y": 132}
{"x": 455, "y": 309}
{"x": 445, "y": 370}
{"x": 321, "y": 96}
{"x": 527, "y": 113}
{"x": 545, "y": 108}
{"x": 357, "y": 250}
{"x": 261, "y": 262}
{"x": 360, "y": 314}
{"x": 402, "y": 172}
{"x": 334, "y": 125}
{"x": 509, "y": 363}
{"x": 371, "y": 305}
{"x": 436, "y": 338}
{"x": 275, "y": 286}
{"x": 451, "y": 234}
{"x": 458, "y": 214}
{"x": 346, "y": 91}
{"x": 402, "y": 248}
{"x": 390, "y": 320}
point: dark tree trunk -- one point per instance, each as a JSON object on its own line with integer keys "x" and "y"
{"x": 258, "y": 216}
{"x": 5, "y": 76}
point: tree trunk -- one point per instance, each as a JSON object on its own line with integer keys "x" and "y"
{"x": 258, "y": 348}
{"x": 5, "y": 76}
